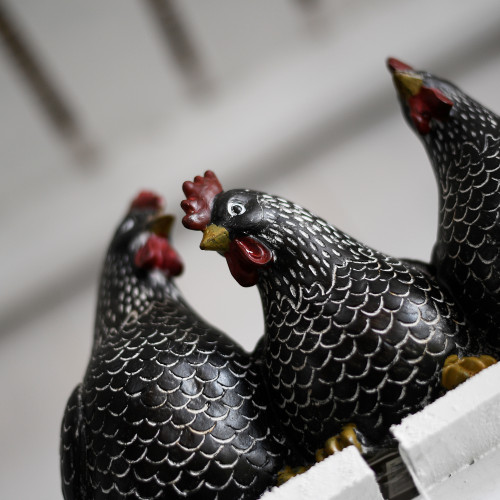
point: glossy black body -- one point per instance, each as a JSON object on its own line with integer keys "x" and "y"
{"x": 352, "y": 335}
{"x": 464, "y": 149}
{"x": 169, "y": 406}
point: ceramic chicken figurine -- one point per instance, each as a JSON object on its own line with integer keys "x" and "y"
{"x": 169, "y": 406}
{"x": 462, "y": 139}
{"x": 353, "y": 336}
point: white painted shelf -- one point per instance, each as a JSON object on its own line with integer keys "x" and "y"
{"x": 451, "y": 448}
{"x": 459, "y": 430}
{"x": 343, "y": 476}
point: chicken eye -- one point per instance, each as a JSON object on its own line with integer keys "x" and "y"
{"x": 236, "y": 208}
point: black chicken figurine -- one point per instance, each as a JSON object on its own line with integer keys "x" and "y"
{"x": 462, "y": 139}
{"x": 169, "y": 406}
{"x": 353, "y": 336}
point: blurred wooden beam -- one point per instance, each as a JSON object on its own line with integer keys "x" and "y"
{"x": 308, "y": 4}
{"x": 179, "y": 43}
{"x": 39, "y": 81}
{"x": 314, "y": 15}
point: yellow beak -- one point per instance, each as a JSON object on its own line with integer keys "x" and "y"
{"x": 408, "y": 84}
{"x": 215, "y": 238}
{"x": 161, "y": 225}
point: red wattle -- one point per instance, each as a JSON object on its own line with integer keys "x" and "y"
{"x": 245, "y": 257}
{"x": 253, "y": 251}
{"x": 427, "y": 104}
{"x": 157, "y": 253}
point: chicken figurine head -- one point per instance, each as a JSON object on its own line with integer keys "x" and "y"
{"x": 353, "y": 336}
{"x": 462, "y": 140}
{"x": 425, "y": 99}
{"x": 146, "y": 230}
{"x": 237, "y": 214}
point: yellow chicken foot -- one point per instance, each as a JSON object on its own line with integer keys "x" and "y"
{"x": 288, "y": 472}
{"x": 338, "y": 442}
{"x": 347, "y": 437}
{"x": 456, "y": 371}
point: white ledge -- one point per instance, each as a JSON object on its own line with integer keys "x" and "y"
{"x": 343, "y": 476}
{"x": 453, "y": 432}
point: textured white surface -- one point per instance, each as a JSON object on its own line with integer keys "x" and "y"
{"x": 453, "y": 432}
{"x": 479, "y": 481}
{"x": 343, "y": 476}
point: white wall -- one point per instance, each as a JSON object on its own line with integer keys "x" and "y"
{"x": 299, "y": 103}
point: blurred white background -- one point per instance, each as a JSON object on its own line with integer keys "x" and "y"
{"x": 101, "y": 99}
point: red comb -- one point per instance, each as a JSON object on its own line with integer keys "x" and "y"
{"x": 200, "y": 198}
{"x": 157, "y": 253}
{"x": 147, "y": 200}
{"x": 396, "y": 65}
